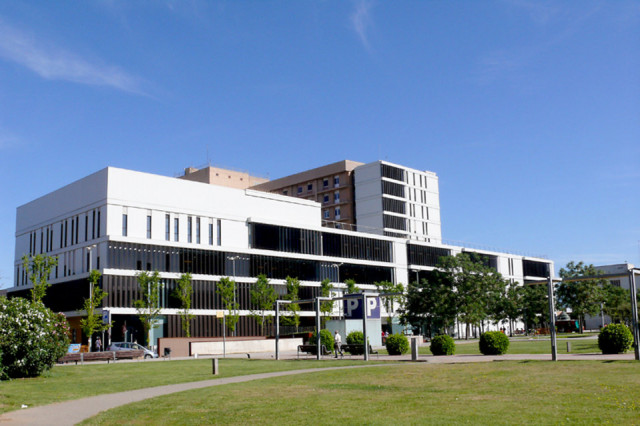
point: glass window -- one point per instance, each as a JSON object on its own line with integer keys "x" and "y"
{"x": 336, "y": 181}
{"x": 148, "y": 226}
{"x": 176, "y": 229}
{"x": 309, "y": 186}
{"x": 336, "y": 197}
{"x": 167, "y": 227}
{"x": 210, "y": 233}
{"x": 337, "y": 212}
{"x": 326, "y": 214}
{"x": 219, "y": 225}
{"x": 189, "y": 229}
{"x": 197, "y": 230}
{"x": 325, "y": 199}
{"x": 299, "y": 190}
{"x": 325, "y": 182}
{"x": 124, "y": 225}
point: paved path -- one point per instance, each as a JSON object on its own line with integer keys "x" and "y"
{"x": 72, "y": 412}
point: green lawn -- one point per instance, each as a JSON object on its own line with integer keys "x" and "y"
{"x": 510, "y": 392}
{"x": 72, "y": 382}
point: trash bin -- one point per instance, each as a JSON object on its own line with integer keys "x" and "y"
{"x": 167, "y": 352}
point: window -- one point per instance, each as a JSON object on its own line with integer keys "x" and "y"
{"x": 327, "y": 215}
{"x": 98, "y": 226}
{"x": 337, "y": 213}
{"x": 167, "y": 227}
{"x": 325, "y": 182}
{"x": 336, "y": 197}
{"x": 189, "y": 229}
{"x": 176, "y": 229}
{"x": 309, "y": 187}
{"x": 219, "y": 232}
{"x": 325, "y": 199}
{"x": 93, "y": 226}
{"x": 615, "y": 283}
{"x": 336, "y": 181}
{"x": 285, "y": 192}
{"x": 210, "y": 233}
{"x": 299, "y": 190}
{"x": 86, "y": 227}
{"x": 124, "y": 225}
{"x": 148, "y": 226}
{"x": 197, "y": 230}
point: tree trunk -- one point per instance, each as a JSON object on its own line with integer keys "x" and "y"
{"x": 466, "y": 337}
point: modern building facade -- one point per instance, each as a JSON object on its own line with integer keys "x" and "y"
{"x": 123, "y": 222}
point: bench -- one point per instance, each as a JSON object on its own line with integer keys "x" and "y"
{"x": 312, "y": 349}
{"x": 356, "y": 349}
{"x": 100, "y": 356}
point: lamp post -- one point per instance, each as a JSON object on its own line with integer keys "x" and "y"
{"x": 91, "y": 247}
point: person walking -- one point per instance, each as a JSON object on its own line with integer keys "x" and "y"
{"x": 337, "y": 344}
{"x": 98, "y": 344}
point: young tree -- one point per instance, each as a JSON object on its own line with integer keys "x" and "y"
{"x": 511, "y": 305}
{"x": 431, "y": 302}
{"x": 227, "y": 289}
{"x": 584, "y": 296}
{"x": 535, "y": 305}
{"x": 148, "y": 306}
{"x": 617, "y": 303}
{"x": 184, "y": 293}
{"x": 326, "y": 307}
{"x": 293, "y": 291}
{"x": 389, "y": 301}
{"x": 263, "y": 297}
{"x": 351, "y": 286}
{"x": 93, "y": 322}
{"x": 38, "y": 269}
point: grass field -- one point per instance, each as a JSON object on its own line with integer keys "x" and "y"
{"x": 72, "y": 382}
{"x": 510, "y": 392}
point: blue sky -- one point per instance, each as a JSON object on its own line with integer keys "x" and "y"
{"x": 528, "y": 111}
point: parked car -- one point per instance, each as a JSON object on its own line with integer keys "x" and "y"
{"x": 128, "y": 346}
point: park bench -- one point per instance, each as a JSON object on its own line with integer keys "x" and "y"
{"x": 100, "y": 356}
{"x": 356, "y": 349}
{"x": 312, "y": 349}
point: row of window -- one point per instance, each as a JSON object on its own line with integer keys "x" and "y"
{"x": 309, "y": 186}
{"x": 78, "y": 229}
{"x": 66, "y": 267}
{"x": 401, "y": 175}
{"x": 326, "y": 213}
{"x": 211, "y": 237}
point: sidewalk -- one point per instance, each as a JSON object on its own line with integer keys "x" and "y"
{"x": 72, "y": 412}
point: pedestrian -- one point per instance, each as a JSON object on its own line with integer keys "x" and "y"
{"x": 98, "y": 344}
{"x": 337, "y": 344}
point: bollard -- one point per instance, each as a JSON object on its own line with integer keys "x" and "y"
{"x": 568, "y": 347}
{"x": 414, "y": 349}
{"x": 214, "y": 366}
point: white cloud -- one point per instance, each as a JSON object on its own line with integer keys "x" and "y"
{"x": 361, "y": 21}
{"x": 55, "y": 63}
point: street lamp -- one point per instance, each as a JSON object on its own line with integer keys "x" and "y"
{"x": 91, "y": 247}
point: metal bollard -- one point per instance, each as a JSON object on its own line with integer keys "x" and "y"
{"x": 214, "y": 366}
{"x": 568, "y": 347}
{"x": 414, "y": 349}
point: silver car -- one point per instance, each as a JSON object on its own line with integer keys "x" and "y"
{"x": 128, "y": 346}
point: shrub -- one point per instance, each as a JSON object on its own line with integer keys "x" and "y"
{"x": 326, "y": 339}
{"x": 615, "y": 339}
{"x": 442, "y": 345}
{"x": 33, "y": 337}
{"x": 356, "y": 338}
{"x": 494, "y": 343}
{"x": 397, "y": 344}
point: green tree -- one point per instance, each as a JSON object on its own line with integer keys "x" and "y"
{"x": 351, "y": 286}
{"x": 617, "y": 303}
{"x": 263, "y": 297}
{"x": 93, "y": 322}
{"x": 38, "y": 269}
{"x": 430, "y": 303}
{"x": 227, "y": 289}
{"x": 148, "y": 306}
{"x": 184, "y": 293}
{"x": 535, "y": 305}
{"x": 293, "y": 291}
{"x": 583, "y": 296}
{"x": 390, "y": 301}
{"x": 477, "y": 287}
{"x": 326, "y": 307}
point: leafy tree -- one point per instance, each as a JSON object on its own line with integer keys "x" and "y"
{"x": 389, "y": 301}
{"x": 263, "y": 297}
{"x": 227, "y": 289}
{"x": 617, "y": 303}
{"x": 93, "y": 322}
{"x": 535, "y": 305}
{"x": 477, "y": 287}
{"x": 293, "y": 291}
{"x": 509, "y": 306}
{"x": 430, "y": 302}
{"x": 326, "y": 307}
{"x": 38, "y": 270}
{"x": 148, "y": 306}
{"x": 351, "y": 286}
{"x": 184, "y": 293}
{"x": 584, "y": 296}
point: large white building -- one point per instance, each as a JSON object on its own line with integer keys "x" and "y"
{"x": 123, "y": 222}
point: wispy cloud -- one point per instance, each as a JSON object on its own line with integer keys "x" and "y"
{"x": 361, "y": 21}
{"x": 55, "y": 63}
